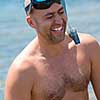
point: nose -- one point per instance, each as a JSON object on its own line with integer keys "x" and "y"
{"x": 58, "y": 19}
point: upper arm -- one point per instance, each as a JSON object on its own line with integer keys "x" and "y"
{"x": 19, "y": 83}
{"x": 94, "y": 52}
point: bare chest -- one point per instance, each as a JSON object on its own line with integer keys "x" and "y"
{"x": 58, "y": 78}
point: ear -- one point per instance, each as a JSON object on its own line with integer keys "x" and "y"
{"x": 30, "y": 22}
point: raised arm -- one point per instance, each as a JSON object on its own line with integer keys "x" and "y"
{"x": 19, "y": 82}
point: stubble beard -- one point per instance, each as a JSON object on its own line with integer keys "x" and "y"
{"x": 56, "y": 39}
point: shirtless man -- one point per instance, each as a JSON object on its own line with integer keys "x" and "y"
{"x": 52, "y": 67}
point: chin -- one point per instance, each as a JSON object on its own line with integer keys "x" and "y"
{"x": 56, "y": 41}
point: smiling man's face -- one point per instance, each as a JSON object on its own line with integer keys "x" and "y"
{"x": 50, "y": 23}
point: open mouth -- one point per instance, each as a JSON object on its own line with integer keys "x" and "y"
{"x": 57, "y": 30}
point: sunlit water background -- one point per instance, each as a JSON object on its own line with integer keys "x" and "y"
{"x": 15, "y": 33}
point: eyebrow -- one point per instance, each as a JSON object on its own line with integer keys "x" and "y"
{"x": 61, "y": 9}
{"x": 51, "y": 13}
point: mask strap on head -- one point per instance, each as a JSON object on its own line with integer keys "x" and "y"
{"x": 64, "y": 3}
{"x": 72, "y": 32}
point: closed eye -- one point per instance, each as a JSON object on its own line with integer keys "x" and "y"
{"x": 61, "y": 11}
{"x": 49, "y": 17}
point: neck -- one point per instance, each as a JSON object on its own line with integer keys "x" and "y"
{"x": 51, "y": 49}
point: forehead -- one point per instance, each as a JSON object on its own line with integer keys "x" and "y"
{"x": 53, "y": 8}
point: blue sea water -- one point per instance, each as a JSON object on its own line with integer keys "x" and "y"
{"x": 15, "y": 33}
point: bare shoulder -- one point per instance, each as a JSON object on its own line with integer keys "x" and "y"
{"x": 21, "y": 75}
{"x": 20, "y": 80}
{"x": 87, "y": 39}
{"x": 22, "y": 68}
{"x": 92, "y": 46}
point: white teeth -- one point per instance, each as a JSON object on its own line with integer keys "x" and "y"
{"x": 58, "y": 29}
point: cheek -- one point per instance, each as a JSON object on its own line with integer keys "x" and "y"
{"x": 65, "y": 19}
{"x": 39, "y": 25}
{"x": 43, "y": 28}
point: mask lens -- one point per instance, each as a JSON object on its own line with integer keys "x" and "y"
{"x": 41, "y": 4}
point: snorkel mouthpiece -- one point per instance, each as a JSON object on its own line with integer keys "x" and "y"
{"x": 73, "y": 34}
